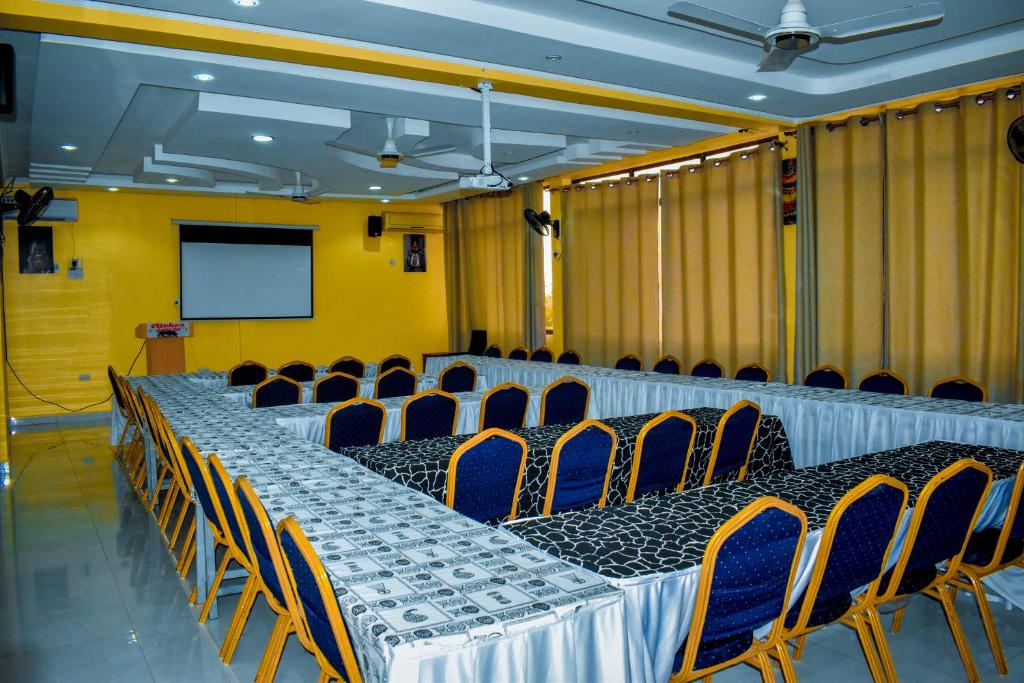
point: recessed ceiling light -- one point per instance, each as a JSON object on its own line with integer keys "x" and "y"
{"x": 262, "y": 138}
{"x": 523, "y": 178}
{"x": 113, "y": 189}
{"x": 247, "y": 3}
{"x": 552, "y": 58}
{"x": 757, "y": 98}
{"x": 203, "y": 77}
{"x": 384, "y": 201}
{"x": 171, "y": 180}
{"x": 376, "y": 187}
{"x": 69, "y": 148}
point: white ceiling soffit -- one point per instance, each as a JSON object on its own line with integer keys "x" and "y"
{"x": 137, "y": 116}
{"x": 635, "y": 44}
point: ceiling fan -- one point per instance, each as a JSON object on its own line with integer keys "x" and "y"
{"x": 794, "y": 35}
{"x": 299, "y": 192}
{"x": 389, "y": 156}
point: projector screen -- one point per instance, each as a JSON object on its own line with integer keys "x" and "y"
{"x": 229, "y": 273}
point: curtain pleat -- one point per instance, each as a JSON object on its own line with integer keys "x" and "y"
{"x": 720, "y": 263}
{"x": 610, "y": 270}
{"x": 805, "y": 343}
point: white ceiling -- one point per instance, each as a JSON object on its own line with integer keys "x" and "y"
{"x": 137, "y": 116}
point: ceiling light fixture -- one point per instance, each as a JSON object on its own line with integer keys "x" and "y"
{"x": 205, "y": 78}
{"x": 757, "y": 98}
{"x": 247, "y": 3}
{"x": 113, "y": 189}
{"x": 384, "y": 201}
{"x": 69, "y": 148}
{"x": 262, "y": 138}
{"x": 523, "y": 178}
{"x": 171, "y": 180}
{"x": 376, "y": 187}
{"x": 552, "y": 58}
{"x": 1010, "y": 94}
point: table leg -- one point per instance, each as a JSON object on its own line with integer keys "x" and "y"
{"x": 151, "y": 463}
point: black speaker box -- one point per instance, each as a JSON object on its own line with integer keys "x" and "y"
{"x": 374, "y": 226}
{"x": 7, "y": 108}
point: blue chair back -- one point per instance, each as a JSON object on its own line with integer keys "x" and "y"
{"x": 394, "y": 361}
{"x": 350, "y": 366}
{"x": 883, "y": 382}
{"x": 245, "y": 373}
{"x": 569, "y": 357}
{"x": 504, "y": 407}
{"x": 668, "y": 365}
{"x": 298, "y": 370}
{"x": 485, "y": 474}
{"x": 457, "y": 377}
{"x": 493, "y": 351}
{"x": 357, "y": 422}
{"x": 826, "y": 376}
{"x": 429, "y": 415}
{"x": 734, "y": 439}
{"x": 581, "y": 466}
{"x": 629, "y": 362}
{"x": 335, "y": 388}
{"x": 542, "y": 355}
{"x": 395, "y": 382}
{"x": 959, "y": 388}
{"x": 263, "y": 546}
{"x": 753, "y": 373}
{"x": 564, "y": 401}
{"x": 201, "y": 484}
{"x": 318, "y": 602}
{"x": 662, "y": 455}
{"x": 225, "y": 493}
{"x": 707, "y": 368}
{"x": 518, "y": 353}
{"x": 276, "y": 391}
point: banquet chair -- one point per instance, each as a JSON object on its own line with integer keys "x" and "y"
{"x": 115, "y": 390}
{"x": 154, "y": 423}
{"x": 883, "y": 381}
{"x": 940, "y": 525}
{"x": 504, "y": 407}
{"x": 276, "y": 391}
{"x": 184, "y": 488}
{"x": 629, "y": 361}
{"x": 662, "y": 455}
{"x": 542, "y": 354}
{"x": 485, "y": 475}
{"x": 428, "y": 415}
{"x": 709, "y": 367}
{"x": 570, "y": 357}
{"x": 394, "y": 382}
{"x": 247, "y": 372}
{"x": 959, "y": 388}
{"x": 356, "y": 422}
{"x": 991, "y": 551}
{"x": 734, "y": 441}
{"x": 457, "y": 377}
{"x": 580, "y": 468}
{"x": 335, "y": 388}
{"x": 668, "y": 365}
{"x": 855, "y": 542}
{"x": 826, "y": 376}
{"x": 493, "y": 351}
{"x": 133, "y": 459}
{"x": 518, "y": 353}
{"x": 395, "y": 360}
{"x": 566, "y": 400}
{"x": 746, "y": 577}
{"x": 350, "y": 365}
{"x": 265, "y": 551}
{"x": 298, "y": 370}
{"x": 754, "y": 372}
{"x": 315, "y": 606}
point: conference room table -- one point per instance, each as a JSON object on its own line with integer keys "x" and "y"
{"x": 242, "y": 395}
{"x": 309, "y": 420}
{"x": 823, "y": 425}
{"x": 423, "y": 465}
{"x": 643, "y": 550}
{"x": 427, "y": 593}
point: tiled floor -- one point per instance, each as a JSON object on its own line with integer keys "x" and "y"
{"x": 89, "y": 593}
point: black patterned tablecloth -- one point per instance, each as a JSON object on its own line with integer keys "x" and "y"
{"x": 669, "y": 533}
{"x": 423, "y": 465}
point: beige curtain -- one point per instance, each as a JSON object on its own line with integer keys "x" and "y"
{"x": 610, "y": 270}
{"x": 493, "y": 270}
{"x": 850, "y": 271}
{"x": 721, "y": 263}
{"x": 954, "y": 244}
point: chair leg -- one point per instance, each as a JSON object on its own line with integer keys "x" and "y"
{"x": 186, "y": 547}
{"x": 249, "y": 592}
{"x": 860, "y": 625}
{"x": 875, "y": 622}
{"x": 985, "y": 610}
{"x": 155, "y": 493}
{"x": 214, "y": 587}
{"x": 897, "y": 620}
{"x": 764, "y": 663}
{"x": 166, "y": 507}
{"x": 324, "y": 678}
{"x": 798, "y": 649}
{"x": 275, "y": 648}
{"x": 182, "y": 513}
{"x": 785, "y": 663}
{"x": 958, "y": 634}
{"x": 189, "y": 557}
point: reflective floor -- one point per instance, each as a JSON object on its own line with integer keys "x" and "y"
{"x": 89, "y": 593}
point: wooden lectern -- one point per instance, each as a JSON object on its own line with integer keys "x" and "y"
{"x": 165, "y": 346}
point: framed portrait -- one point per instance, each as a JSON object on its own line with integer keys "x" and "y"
{"x": 35, "y": 249}
{"x": 415, "y": 253}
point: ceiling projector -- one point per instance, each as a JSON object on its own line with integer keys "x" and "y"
{"x": 492, "y": 182}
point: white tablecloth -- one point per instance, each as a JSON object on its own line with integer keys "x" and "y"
{"x": 823, "y": 425}
{"x": 309, "y": 421}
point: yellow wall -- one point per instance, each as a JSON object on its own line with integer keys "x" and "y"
{"x": 58, "y": 328}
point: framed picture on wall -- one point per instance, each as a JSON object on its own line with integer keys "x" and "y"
{"x": 415, "y": 253}
{"x": 35, "y": 249}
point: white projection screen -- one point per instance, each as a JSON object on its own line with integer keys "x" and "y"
{"x": 230, "y": 273}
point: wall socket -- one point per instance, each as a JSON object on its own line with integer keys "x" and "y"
{"x": 84, "y": 377}
{"x": 75, "y": 269}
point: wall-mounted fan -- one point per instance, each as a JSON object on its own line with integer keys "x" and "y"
{"x": 794, "y": 35}
{"x": 28, "y": 206}
{"x": 389, "y": 155}
{"x": 299, "y": 192}
{"x": 1015, "y": 139}
{"x": 541, "y": 223}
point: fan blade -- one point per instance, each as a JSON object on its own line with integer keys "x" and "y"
{"x": 304, "y": 201}
{"x": 884, "y": 22}
{"x": 431, "y": 151}
{"x": 318, "y": 190}
{"x": 778, "y": 60}
{"x": 698, "y": 14}
{"x": 350, "y": 148}
{"x": 269, "y": 194}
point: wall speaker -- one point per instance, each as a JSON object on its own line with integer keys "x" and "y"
{"x": 374, "y": 226}
{"x": 7, "y": 108}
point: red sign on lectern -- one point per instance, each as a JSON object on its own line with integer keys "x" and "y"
{"x": 159, "y": 330}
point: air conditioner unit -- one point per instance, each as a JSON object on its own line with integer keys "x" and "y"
{"x": 412, "y": 222}
{"x": 60, "y": 210}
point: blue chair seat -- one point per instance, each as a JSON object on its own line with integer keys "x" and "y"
{"x": 824, "y": 611}
{"x": 913, "y": 581}
{"x": 712, "y": 652}
{"x": 982, "y": 545}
